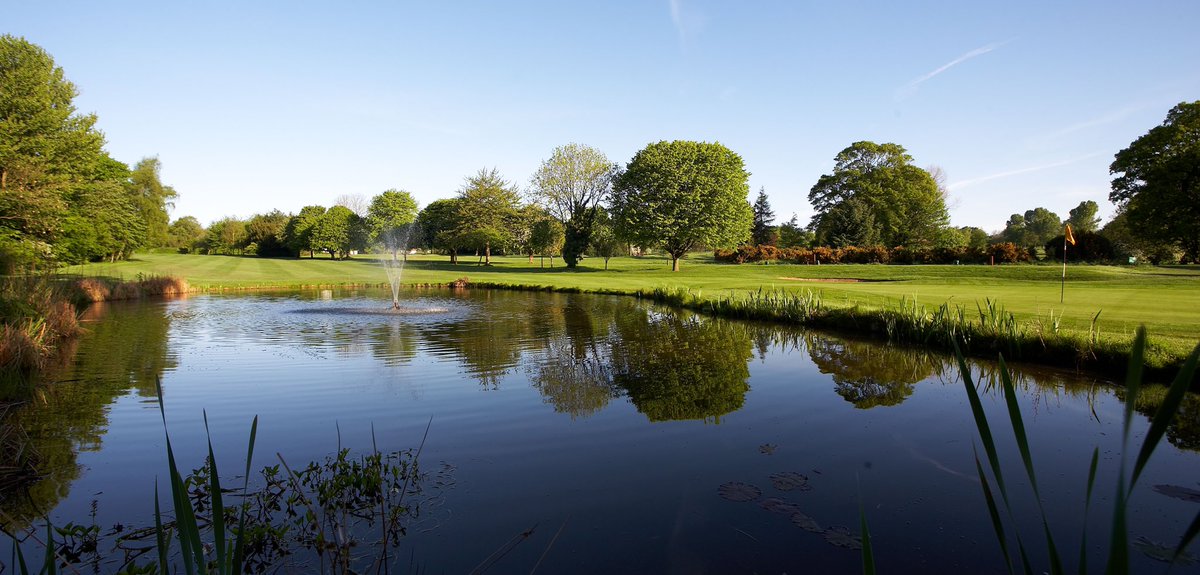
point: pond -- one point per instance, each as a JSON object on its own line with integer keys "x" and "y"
{"x": 629, "y": 437}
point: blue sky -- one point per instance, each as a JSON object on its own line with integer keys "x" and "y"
{"x": 253, "y": 106}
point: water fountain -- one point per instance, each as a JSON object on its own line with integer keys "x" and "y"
{"x": 394, "y": 241}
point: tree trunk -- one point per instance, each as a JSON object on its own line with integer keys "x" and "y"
{"x": 605, "y": 264}
{"x": 674, "y": 263}
{"x": 487, "y": 254}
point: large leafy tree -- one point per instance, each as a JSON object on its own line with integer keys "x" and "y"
{"x": 390, "y": 217}
{"x": 487, "y": 212}
{"x": 681, "y": 195}
{"x": 1033, "y": 228}
{"x": 267, "y": 232}
{"x": 1083, "y": 217}
{"x": 546, "y": 237}
{"x": 571, "y": 184}
{"x": 1157, "y": 181}
{"x": 904, "y": 201}
{"x": 298, "y": 233}
{"x": 437, "y": 223}
{"x": 763, "y": 232}
{"x": 153, "y": 199}
{"x": 338, "y": 232}
{"x": 47, "y": 151}
{"x": 185, "y": 232}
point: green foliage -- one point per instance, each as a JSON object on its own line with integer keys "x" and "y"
{"x": 185, "y": 232}
{"x": 152, "y": 198}
{"x": 1089, "y": 247}
{"x": 226, "y": 236}
{"x": 437, "y": 223}
{"x": 338, "y": 231}
{"x": 487, "y": 212}
{"x": 604, "y": 238}
{"x": 267, "y": 233}
{"x": 680, "y": 195}
{"x": 389, "y": 216}
{"x": 1083, "y": 217}
{"x": 793, "y": 235}
{"x": 849, "y": 223}
{"x": 546, "y": 237}
{"x": 570, "y": 184}
{"x": 298, "y": 232}
{"x": 903, "y": 200}
{"x": 1033, "y": 228}
{"x": 762, "y": 233}
{"x": 1157, "y": 182}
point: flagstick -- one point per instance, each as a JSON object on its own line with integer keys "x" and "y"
{"x": 1062, "y": 294}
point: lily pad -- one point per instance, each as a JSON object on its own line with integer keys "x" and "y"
{"x": 841, "y": 537}
{"x": 777, "y": 505}
{"x": 806, "y": 523}
{"x": 1161, "y": 552}
{"x": 1179, "y": 492}
{"x": 789, "y": 480}
{"x": 738, "y": 491}
{"x": 767, "y": 448}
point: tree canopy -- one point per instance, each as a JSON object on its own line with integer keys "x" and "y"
{"x": 1033, "y": 228}
{"x": 1157, "y": 182}
{"x": 680, "y": 195}
{"x": 487, "y": 210}
{"x": 389, "y": 217}
{"x": 904, "y": 201}
{"x": 570, "y": 184}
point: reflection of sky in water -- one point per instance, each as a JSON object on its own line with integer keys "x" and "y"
{"x": 600, "y": 413}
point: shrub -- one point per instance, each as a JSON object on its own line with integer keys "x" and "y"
{"x": 1008, "y": 253}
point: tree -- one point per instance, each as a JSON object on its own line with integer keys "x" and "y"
{"x": 547, "y": 237}
{"x": 680, "y": 195}
{"x": 1083, "y": 217}
{"x": 437, "y": 223}
{"x": 793, "y": 235}
{"x": 849, "y": 223}
{"x": 1033, "y": 228}
{"x": 356, "y": 203}
{"x": 571, "y": 184}
{"x": 226, "y": 235}
{"x": 604, "y": 239}
{"x": 487, "y": 211}
{"x": 977, "y": 238}
{"x": 297, "y": 234}
{"x": 338, "y": 232}
{"x": 763, "y": 233}
{"x": 47, "y": 151}
{"x": 185, "y": 232}
{"x": 907, "y": 207}
{"x": 267, "y": 233}
{"x": 1157, "y": 181}
{"x": 390, "y": 218}
{"x": 153, "y": 199}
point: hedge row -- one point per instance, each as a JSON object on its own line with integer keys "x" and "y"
{"x": 997, "y": 253}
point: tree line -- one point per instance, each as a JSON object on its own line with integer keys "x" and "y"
{"x": 65, "y": 200}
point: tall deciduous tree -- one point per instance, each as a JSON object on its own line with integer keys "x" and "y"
{"x": 437, "y": 223}
{"x": 681, "y": 195}
{"x": 1157, "y": 181}
{"x": 1033, "y": 228}
{"x": 390, "y": 218}
{"x": 153, "y": 199}
{"x": 487, "y": 211}
{"x": 763, "y": 232}
{"x": 47, "y": 150}
{"x": 546, "y": 237}
{"x": 338, "y": 232}
{"x": 571, "y": 184}
{"x": 904, "y": 200}
{"x": 1083, "y": 217}
{"x": 267, "y": 232}
{"x": 185, "y": 232}
{"x": 298, "y": 232}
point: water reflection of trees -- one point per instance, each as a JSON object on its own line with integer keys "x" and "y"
{"x": 869, "y": 374}
{"x": 72, "y": 415}
{"x": 572, "y": 369}
{"x": 676, "y": 365}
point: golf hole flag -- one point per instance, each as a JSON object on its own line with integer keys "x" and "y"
{"x": 1068, "y": 236}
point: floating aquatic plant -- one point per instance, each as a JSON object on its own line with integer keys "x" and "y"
{"x": 790, "y": 480}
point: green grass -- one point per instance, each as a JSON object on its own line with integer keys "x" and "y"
{"x": 1165, "y": 299}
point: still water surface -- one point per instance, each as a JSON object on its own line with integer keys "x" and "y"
{"x": 611, "y": 419}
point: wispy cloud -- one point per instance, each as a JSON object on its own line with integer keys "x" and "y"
{"x": 911, "y": 87}
{"x": 687, "y": 22}
{"x": 972, "y": 181}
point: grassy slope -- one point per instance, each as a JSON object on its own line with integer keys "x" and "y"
{"x": 1166, "y": 300}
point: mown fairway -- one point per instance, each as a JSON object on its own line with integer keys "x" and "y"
{"x": 1166, "y": 300}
